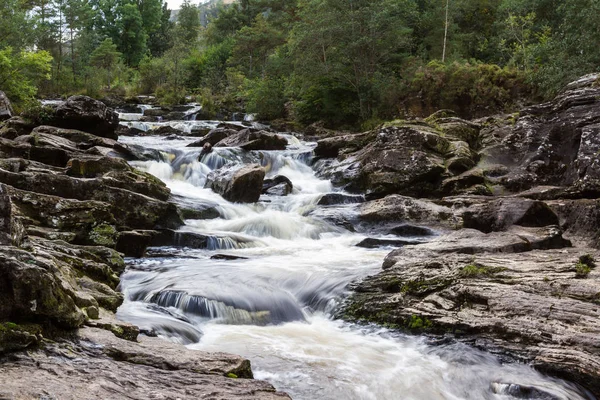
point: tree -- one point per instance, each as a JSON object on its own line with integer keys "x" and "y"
{"x": 161, "y": 39}
{"x": 16, "y": 28}
{"x": 188, "y": 24}
{"x": 107, "y": 58}
{"x": 21, "y": 72}
{"x": 132, "y": 36}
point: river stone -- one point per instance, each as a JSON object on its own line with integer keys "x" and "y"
{"x": 213, "y": 137}
{"x": 277, "y": 186}
{"x": 89, "y": 115}
{"x": 238, "y": 183}
{"x": 249, "y": 139}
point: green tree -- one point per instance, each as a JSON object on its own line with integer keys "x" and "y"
{"x": 16, "y": 26}
{"x": 161, "y": 39}
{"x": 188, "y": 24}
{"x": 22, "y": 72}
{"x": 106, "y": 57}
{"x": 132, "y": 36}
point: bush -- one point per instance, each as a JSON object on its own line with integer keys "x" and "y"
{"x": 470, "y": 89}
{"x": 265, "y": 98}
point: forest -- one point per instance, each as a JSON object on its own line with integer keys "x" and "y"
{"x": 347, "y": 63}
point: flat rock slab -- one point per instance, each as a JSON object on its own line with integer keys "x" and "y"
{"x": 101, "y": 366}
{"x": 518, "y": 292}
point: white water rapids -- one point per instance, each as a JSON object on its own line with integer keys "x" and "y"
{"x": 276, "y": 305}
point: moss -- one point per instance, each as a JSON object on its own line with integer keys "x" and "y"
{"x": 232, "y": 375}
{"x": 582, "y": 270}
{"x": 478, "y": 270}
{"x": 418, "y": 323}
{"x": 588, "y": 260}
{"x": 18, "y": 336}
{"x": 103, "y": 235}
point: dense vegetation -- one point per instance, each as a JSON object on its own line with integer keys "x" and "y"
{"x": 345, "y": 62}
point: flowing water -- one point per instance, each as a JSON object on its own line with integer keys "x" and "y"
{"x": 275, "y": 305}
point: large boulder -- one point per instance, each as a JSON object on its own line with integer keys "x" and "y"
{"x": 213, "y": 137}
{"x": 555, "y": 143}
{"x": 249, "y": 139}
{"x": 89, "y": 115}
{"x": 6, "y": 110}
{"x": 239, "y": 183}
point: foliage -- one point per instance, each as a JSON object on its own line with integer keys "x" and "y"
{"x": 471, "y": 89}
{"x": 21, "y": 72}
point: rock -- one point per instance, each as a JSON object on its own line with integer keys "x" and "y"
{"x": 169, "y": 237}
{"x": 158, "y": 368}
{"x": 31, "y": 288}
{"x": 213, "y": 137}
{"x": 249, "y": 139}
{"x": 529, "y": 304}
{"x": 580, "y": 219}
{"x": 408, "y": 159}
{"x": 277, "y": 186}
{"x": 227, "y": 257}
{"x": 551, "y": 144}
{"x": 372, "y": 243}
{"x": 397, "y": 208}
{"x": 18, "y": 337}
{"x": 411, "y": 230}
{"x": 498, "y": 215}
{"x": 339, "y": 198}
{"x": 124, "y": 130}
{"x": 94, "y": 167}
{"x": 134, "y": 243}
{"x": 6, "y": 110}
{"x": 164, "y": 130}
{"x": 15, "y": 127}
{"x": 89, "y": 115}
{"x": 238, "y": 183}
{"x": 12, "y": 231}
{"x": 332, "y": 146}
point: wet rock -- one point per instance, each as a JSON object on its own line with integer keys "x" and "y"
{"x": 6, "y": 110}
{"x": 157, "y": 367}
{"x": 227, "y": 257}
{"x": 373, "y": 243}
{"x": 411, "y": 230}
{"x": 339, "y": 198}
{"x": 134, "y": 243}
{"x": 277, "y": 186}
{"x": 241, "y": 184}
{"x": 164, "y": 130}
{"x": 529, "y": 303}
{"x": 580, "y": 219}
{"x": 249, "y": 139}
{"x": 89, "y": 115}
{"x": 124, "y": 130}
{"x": 213, "y": 137}
{"x": 169, "y": 237}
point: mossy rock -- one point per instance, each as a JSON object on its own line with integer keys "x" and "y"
{"x": 103, "y": 235}
{"x": 15, "y": 337}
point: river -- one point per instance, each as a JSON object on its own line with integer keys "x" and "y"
{"x": 276, "y": 305}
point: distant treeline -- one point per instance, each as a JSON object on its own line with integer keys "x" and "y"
{"x": 344, "y": 62}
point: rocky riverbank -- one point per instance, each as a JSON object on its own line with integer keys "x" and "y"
{"x": 515, "y": 203}
{"x": 495, "y": 224}
{"x": 70, "y": 208}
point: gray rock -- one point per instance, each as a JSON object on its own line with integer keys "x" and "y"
{"x": 249, "y": 139}
{"x": 277, "y": 186}
{"x": 213, "y": 137}
{"x": 158, "y": 368}
{"x": 238, "y": 183}
{"x": 88, "y": 115}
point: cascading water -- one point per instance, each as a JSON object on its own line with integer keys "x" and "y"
{"x": 274, "y": 300}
